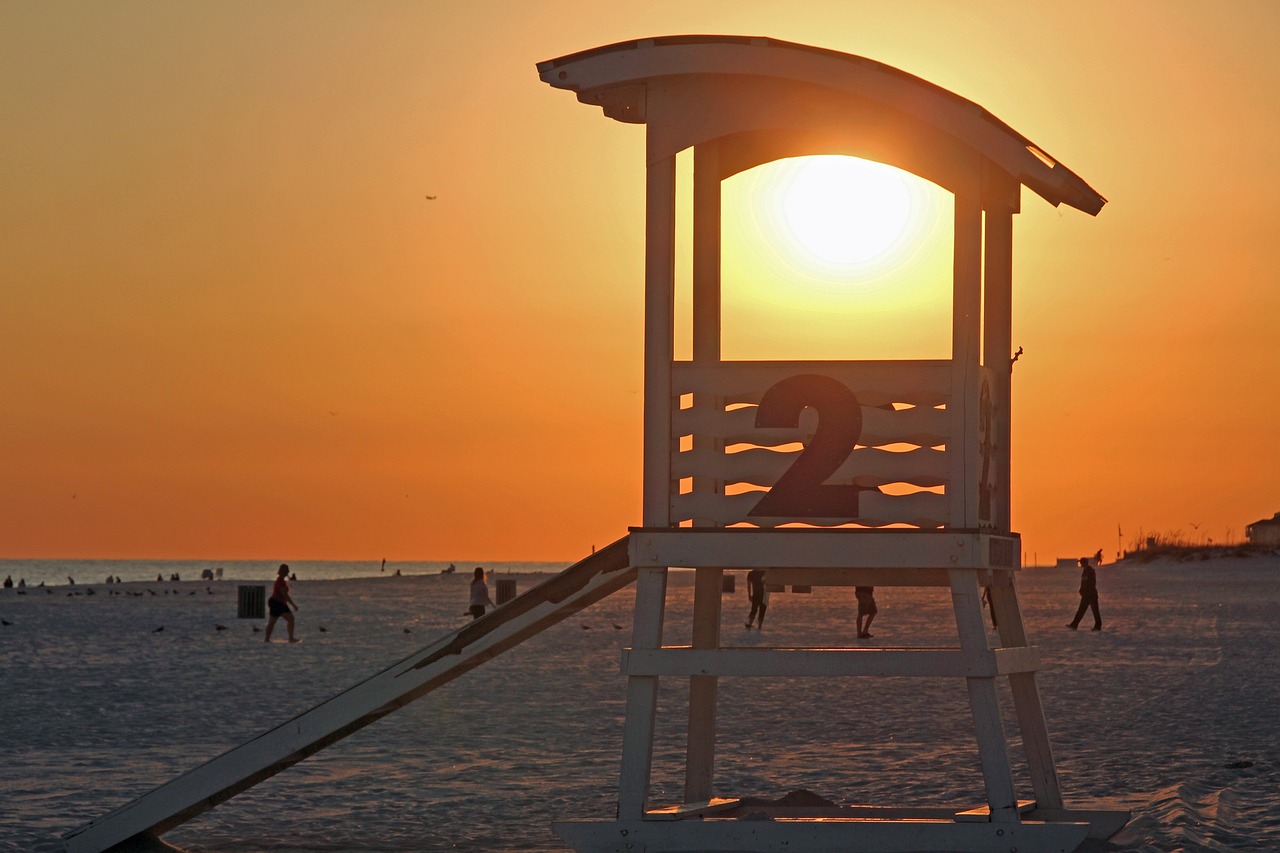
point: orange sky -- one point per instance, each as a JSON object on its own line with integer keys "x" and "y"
{"x": 234, "y": 326}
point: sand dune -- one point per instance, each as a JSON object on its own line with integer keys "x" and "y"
{"x": 1169, "y": 711}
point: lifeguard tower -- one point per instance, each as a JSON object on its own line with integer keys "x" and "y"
{"x": 819, "y": 516}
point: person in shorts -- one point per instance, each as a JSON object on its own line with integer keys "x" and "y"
{"x": 279, "y": 603}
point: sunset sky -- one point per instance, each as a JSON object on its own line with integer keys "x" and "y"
{"x": 235, "y": 325}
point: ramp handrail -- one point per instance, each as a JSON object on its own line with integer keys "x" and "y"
{"x": 198, "y": 790}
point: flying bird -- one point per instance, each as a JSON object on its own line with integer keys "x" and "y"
{"x": 431, "y": 198}
{"x": 5, "y": 622}
{"x": 158, "y": 630}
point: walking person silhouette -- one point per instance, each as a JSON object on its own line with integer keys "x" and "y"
{"x": 1088, "y": 596}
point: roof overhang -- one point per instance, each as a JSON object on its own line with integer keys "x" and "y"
{"x": 764, "y": 99}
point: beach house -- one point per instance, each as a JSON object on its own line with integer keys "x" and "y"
{"x": 1264, "y": 532}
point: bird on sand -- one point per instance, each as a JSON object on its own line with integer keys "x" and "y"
{"x": 324, "y": 630}
{"x": 5, "y": 622}
{"x": 407, "y": 631}
{"x": 256, "y": 629}
{"x": 219, "y": 627}
{"x": 158, "y": 630}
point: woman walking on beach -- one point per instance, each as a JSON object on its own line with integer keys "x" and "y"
{"x": 479, "y": 595}
{"x": 279, "y": 603}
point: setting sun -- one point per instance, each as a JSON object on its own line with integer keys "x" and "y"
{"x": 844, "y": 211}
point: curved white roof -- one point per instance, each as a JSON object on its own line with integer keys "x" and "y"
{"x": 738, "y": 85}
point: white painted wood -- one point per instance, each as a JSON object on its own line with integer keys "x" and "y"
{"x": 700, "y": 749}
{"x": 998, "y": 343}
{"x": 1026, "y": 696}
{"x": 711, "y": 428}
{"x": 659, "y": 335}
{"x": 706, "y": 322}
{"x": 813, "y": 548}
{"x": 642, "y": 696}
{"x": 693, "y": 809}
{"x": 706, "y": 254}
{"x": 965, "y": 358}
{"x": 829, "y": 663}
{"x": 712, "y": 835}
{"x": 629, "y": 79}
{"x": 924, "y": 426}
{"x": 915, "y": 577}
{"x": 869, "y": 467}
{"x": 875, "y": 383}
{"x": 450, "y": 656}
{"x": 993, "y": 752}
{"x": 923, "y": 509}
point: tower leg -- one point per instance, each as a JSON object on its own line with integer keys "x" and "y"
{"x": 703, "y": 689}
{"x": 993, "y": 752}
{"x": 642, "y": 697}
{"x": 1026, "y": 696}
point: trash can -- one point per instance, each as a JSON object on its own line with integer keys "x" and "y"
{"x": 506, "y": 590}
{"x": 252, "y": 602}
{"x": 727, "y": 582}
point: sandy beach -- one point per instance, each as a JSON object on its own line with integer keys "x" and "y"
{"x": 1168, "y": 711}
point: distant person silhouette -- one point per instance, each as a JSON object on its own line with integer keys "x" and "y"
{"x": 479, "y": 595}
{"x": 1088, "y": 596}
{"x": 759, "y": 597}
{"x": 279, "y": 603}
{"x": 867, "y": 610}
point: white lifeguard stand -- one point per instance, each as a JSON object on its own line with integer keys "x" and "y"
{"x": 821, "y": 519}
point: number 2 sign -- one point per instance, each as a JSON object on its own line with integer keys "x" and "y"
{"x": 802, "y": 490}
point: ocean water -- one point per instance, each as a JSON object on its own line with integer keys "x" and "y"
{"x": 64, "y": 572}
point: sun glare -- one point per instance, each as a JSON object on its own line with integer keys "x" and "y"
{"x": 835, "y": 257}
{"x": 843, "y": 211}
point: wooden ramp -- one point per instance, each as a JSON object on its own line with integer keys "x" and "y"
{"x": 199, "y": 790}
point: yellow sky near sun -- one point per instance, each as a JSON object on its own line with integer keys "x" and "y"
{"x": 234, "y": 325}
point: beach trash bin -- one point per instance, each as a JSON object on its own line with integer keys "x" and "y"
{"x": 506, "y": 590}
{"x": 727, "y": 583}
{"x": 252, "y": 602}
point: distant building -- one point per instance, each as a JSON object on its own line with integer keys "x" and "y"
{"x": 1265, "y": 532}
